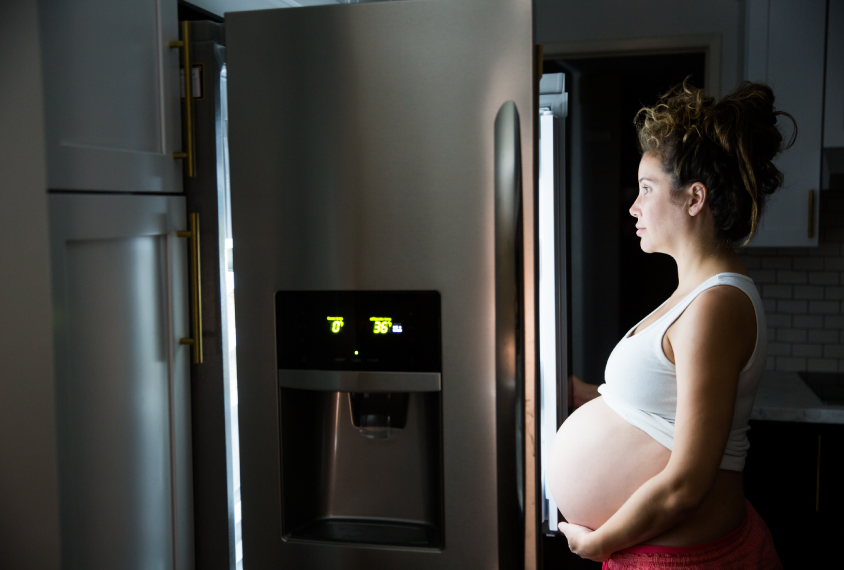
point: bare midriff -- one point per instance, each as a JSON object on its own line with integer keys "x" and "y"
{"x": 598, "y": 460}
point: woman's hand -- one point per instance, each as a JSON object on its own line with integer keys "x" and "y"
{"x": 582, "y": 543}
{"x": 580, "y": 392}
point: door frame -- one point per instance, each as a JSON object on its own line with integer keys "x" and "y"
{"x": 709, "y": 44}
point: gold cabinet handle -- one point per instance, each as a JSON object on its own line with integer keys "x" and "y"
{"x": 184, "y": 44}
{"x": 811, "y": 214}
{"x": 196, "y": 292}
{"x": 818, "y": 478}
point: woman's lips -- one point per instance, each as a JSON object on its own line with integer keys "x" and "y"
{"x": 638, "y": 229}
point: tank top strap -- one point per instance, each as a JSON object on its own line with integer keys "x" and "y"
{"x": 735, "y": 279}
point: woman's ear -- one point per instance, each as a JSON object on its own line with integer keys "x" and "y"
{"x": 696, "y": 198}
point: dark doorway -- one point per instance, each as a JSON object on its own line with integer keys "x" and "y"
{"x": 614, "y": 283}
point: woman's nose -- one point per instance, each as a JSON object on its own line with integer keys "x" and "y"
{"x": 634, "y": 209}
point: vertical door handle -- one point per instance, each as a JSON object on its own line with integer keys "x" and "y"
{"x": 184, "y": 44}
{"x": 509, "y": 349}
{"x": 195, "y": 290}
{"x": 811, "y": 214}
{"x": 818, "y": 478}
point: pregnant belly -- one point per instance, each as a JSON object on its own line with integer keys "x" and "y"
{"x": 597, "y": 460}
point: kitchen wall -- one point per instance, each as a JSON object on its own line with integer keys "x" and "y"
{"x": 803, "y": 291}
{"x": 29, "y": 512}
{"x": 568, "y": 21}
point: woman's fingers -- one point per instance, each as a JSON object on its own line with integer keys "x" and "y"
{"x": 580, "y": 392}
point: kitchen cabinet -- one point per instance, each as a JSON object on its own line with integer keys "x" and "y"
{"x": 111, "y": 95}
{"x": 122, "y": 381}
{"x": 793, "y": 478}
{"x": 833, "y": 129}
{"x": 785, "y": 49}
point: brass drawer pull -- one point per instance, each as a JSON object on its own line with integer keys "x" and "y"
{"x": 190, "y": 155}
{"x": 818, "y": 478}
{"x": 811, "y": 214}
{"x": 196, "y": 292}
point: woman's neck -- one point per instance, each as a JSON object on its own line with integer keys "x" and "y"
{"x": 699, "y": 262}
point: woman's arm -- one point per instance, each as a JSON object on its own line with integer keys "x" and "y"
{"x": 580, "y": 392}
{"x": 709, "y": 344}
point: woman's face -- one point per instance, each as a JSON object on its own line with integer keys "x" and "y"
{"x": 660, "y": 220}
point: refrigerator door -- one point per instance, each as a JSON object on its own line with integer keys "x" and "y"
{"x": 373, "y": 148}
{"x": 552, "y": 298}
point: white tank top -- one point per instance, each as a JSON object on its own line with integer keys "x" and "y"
{"x": 641, "y": 383}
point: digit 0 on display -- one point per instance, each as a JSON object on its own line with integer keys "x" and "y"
{"x": 336, "y": 324}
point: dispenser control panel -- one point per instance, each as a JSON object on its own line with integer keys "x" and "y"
{"x": 395, "y": 331}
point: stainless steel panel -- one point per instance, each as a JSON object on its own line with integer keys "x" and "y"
{"x": 342, "y": 473}
{"x": 122, "y": 401}
{"x": 363, "y": 157}
{"x": 509, "y": 338}
{"x": 348, "y": 381}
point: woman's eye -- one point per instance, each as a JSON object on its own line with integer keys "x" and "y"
{"x": 645, "y": 189}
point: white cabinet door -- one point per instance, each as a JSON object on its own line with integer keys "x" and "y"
{"x": 122, "y": 381}
{"x": 785, "y": 49}
{"x": 833, "y": 130}
{"x": 112, "y": 95}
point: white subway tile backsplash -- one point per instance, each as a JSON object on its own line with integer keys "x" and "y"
{"x": 777, "y": 263}
{"x": 808, "y": 321}
{"x": 824, "y": 278}
{"x": 834, "y": 351}
{"x": 779, "y": 349}
{"x": 776, "y": 320}
{"x": 752, "y": 262}
{"x": 825, "y": 250}
{"x": 834, "y": 292}
{"x": 823, "y": 365}
{"x": 824, "y": 307}
{"x": 792, "y": 307}
{"x": 796, "y": 277}
{"x": 807, "y": 292}
{"x": 806, "y": 350}
{"x": 791, "y": 364}
{"x": 809, "y": 263}
{"x": 782, "y": 292}
{"x": 825, "y": 337}
{"x": 803, "y": 293}
{"x": 792, "y": 335}
{"x": 761, "y": 276}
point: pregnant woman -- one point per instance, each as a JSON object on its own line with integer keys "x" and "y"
{"x": 649, "y": 474}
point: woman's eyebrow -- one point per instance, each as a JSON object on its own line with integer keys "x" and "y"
{"x": 645, "y": 179}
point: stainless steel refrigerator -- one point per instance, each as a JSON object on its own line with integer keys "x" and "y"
{"x": 393, "y": 395}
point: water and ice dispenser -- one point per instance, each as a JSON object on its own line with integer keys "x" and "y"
{"x": 360, "y": 417}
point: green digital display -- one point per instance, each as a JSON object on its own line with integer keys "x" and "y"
{"x": 380, "y": 325}
{"x": 358, "y": 330}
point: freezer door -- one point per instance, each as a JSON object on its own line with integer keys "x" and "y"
{"x": 552, "y": 297}
{"x": 363, "y": 157}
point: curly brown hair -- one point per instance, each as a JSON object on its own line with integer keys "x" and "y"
{"x": 727, "y": 146}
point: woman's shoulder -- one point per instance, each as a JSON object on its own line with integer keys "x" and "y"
{"x": 722, "y": 313}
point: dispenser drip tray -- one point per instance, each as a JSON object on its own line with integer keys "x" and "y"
{"x": 368, "y": 531}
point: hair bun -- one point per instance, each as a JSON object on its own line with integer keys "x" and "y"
{"x": 728, "y": 146}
